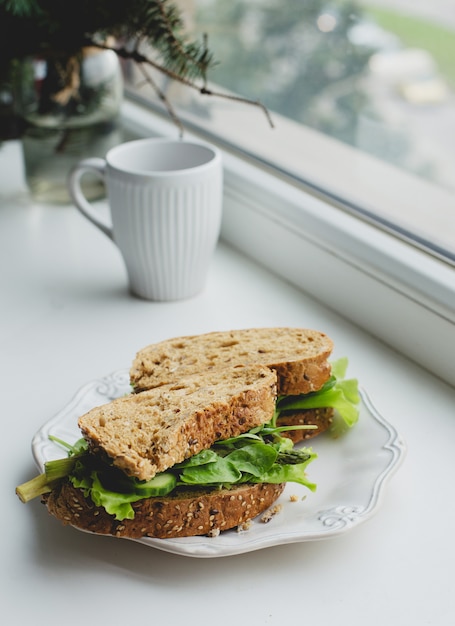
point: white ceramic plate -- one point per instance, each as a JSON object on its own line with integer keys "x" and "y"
{"x": 351, "y": 473}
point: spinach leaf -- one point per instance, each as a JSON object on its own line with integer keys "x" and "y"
{"x": 218, "y": 472}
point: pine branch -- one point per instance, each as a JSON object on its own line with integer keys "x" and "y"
{"x": 157, "y": 25}
{"x": 26, "y": 8}
{"x": 162, "y": 96}
{"x": 30, "y": 27}
{"x": 140, "y": 59}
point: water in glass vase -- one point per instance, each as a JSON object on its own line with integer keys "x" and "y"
{"x": 49, "y": 155}
{"x": 70, "y": 104}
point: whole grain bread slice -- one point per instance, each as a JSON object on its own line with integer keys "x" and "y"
{"x": 299, "y": 357}
{"x": 183, "y": 514}
{"x": 147, "y": 433}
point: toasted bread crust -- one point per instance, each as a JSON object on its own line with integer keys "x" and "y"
{"x": 321, "y": 418}
{"x": 299, "y": 357}
{"x": 198, "y": 512}
{"x": 147, "y": 433}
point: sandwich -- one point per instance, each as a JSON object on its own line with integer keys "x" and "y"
{"x": 311, "y": 391}
{"x": 206, "y": 440}
{"x": 193, "y": 457}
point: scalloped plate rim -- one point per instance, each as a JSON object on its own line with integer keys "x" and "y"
{"x": 328, "y": 520}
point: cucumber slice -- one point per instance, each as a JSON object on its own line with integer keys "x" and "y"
{"x": 159, "y": 485}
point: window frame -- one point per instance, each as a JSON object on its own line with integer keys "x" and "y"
{"x": 373, "y": 190}
{"x": 386, "y": 286}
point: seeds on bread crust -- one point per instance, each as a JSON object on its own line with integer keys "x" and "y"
{"x": 187, "y": 514}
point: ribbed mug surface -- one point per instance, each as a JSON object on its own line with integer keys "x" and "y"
{"x": 165, "y": 200}
{"x": 167, "y": 232}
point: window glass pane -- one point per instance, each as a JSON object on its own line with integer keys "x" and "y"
{"x": 362, "y": 95}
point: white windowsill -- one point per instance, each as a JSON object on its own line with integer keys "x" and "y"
{"x": 393, "y": 290}
{"x": 382, "y": 192}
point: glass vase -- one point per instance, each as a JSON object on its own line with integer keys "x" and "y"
{"x": 70, "y": 104}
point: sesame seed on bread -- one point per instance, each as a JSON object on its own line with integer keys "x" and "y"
{"x": 182, "y": 514}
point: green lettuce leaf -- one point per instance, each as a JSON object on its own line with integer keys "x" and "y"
{"x": 115, "y": 503}
{"x": 201, "y": 458}
{"x": 258, "y": 462}
{"x": 289, "y": 474}
{"x": 338, "y": 393}
{"x": 266, "y": 458}
{"x": 116, "y": 496}
{"x": 218, "y": 472}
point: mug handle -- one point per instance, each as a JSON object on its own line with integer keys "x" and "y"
{"x": 96, "y": 166}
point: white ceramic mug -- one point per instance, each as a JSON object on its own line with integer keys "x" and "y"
{"x": 165, "y": 200}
